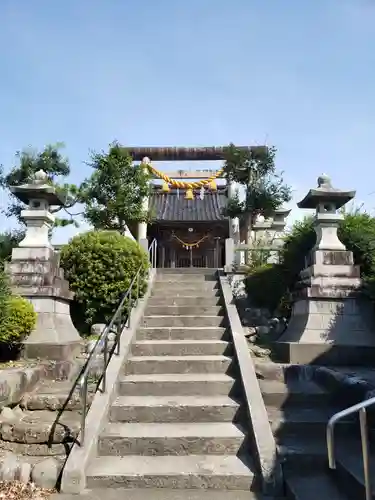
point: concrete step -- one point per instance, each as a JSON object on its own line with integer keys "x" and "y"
{"x": 155, "y": 409}
{"x": 182, "y": 333}
{"x": 186, "y": 278}
{"x": 303, "y": 453}
{"x": 267, "y": 370}
{"x": 313, "y": 486}
{"x": 177, "y": 472}
{"x": 177, "y": 364}
{"x": 185, "y": 288}
{"x": 187, "y": 270}
{"x": 185, "y": 310}
{"x": 277, "y": 393}
{"x": 122, "y": 493}
{"x": 213, "y": 438}
{"x": 299, "y": 420}
{"x": 192, "y": 300}
{"x": 349, "y": 467}
{"x": 180, "y": 293}
{"x": 170, "y": 384}
{"x": 181, "y": 348}
{"x": 183, "y": 321}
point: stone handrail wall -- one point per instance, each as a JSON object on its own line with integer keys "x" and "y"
{"x": 263, "y": 440}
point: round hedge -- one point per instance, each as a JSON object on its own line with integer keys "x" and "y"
{"x": 17, "y": 322}
{"x": 100, "y": 266}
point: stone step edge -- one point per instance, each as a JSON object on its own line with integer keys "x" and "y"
{"x": 135, "y": 465}
{"x": 136, "y": 430}
{"x": 221, "y": 328}
{"x": 178, "y": 377}
{"x": 198, "y": 357}
{"x": 173, "y": 401}
{"x": 183, "y": 342}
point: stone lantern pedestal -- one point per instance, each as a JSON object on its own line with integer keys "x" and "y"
{"x": 35, "y": 274}
{"x": 329, "y": 322}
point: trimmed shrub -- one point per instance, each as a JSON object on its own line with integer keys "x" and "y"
{"x": 100, "y": 266}
{"x": 18, "y": 321}
{"x": 266, "y": 286}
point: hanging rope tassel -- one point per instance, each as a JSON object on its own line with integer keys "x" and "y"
{"x": 189, "y": 194}
{"x": 165, "y": 187}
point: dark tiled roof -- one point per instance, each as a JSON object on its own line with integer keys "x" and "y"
{"x": 172, "y": 206}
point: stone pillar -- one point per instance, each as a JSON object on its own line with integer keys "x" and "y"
{"x": 261, "y": 230}
{"x": 229, "y": 255}
{"x": 277, "y": 231}
{"x": 35, "y": 274}
{"x": 234, "y": 235}
{"x": 142, "y": 226}
{"x": 328, "y": 321}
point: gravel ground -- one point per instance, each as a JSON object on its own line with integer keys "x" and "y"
{"x": 13, "y": 490}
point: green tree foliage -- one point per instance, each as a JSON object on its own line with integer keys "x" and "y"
{"x": 56, "y": 167}
{"x": 8, "y": 241}
{"x": 356, "y": 231}
{"x": 265, "y": 190}
{"x": 114, "y": 193}
{"x": 100, "y": 266}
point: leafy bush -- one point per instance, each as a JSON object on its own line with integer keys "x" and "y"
{"x": 4, "y": 293}
{"x": 356, "y": 231}
{"x": 8, "y": 241}
{"x": 18, "y": 321}
{"x": 100, "y": 266}
{"x": 266, "y": 285}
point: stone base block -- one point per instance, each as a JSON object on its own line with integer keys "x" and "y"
{"x": 54, "y": 336}
{"x": 323, "y": 354}
{"x": 51, "y": 350}
{"x": 319, "y": 321}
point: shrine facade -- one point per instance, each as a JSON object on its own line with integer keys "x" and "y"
{"x": 189, "y": 232}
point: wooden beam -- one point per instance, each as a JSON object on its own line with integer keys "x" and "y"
{"x": 213, "y": 153}
{"x": 191, "y": 174}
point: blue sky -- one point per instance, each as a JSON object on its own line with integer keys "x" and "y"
{"x": 296, "y": 74}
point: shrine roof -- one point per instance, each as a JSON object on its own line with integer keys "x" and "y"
{"x": 172, "y": 206}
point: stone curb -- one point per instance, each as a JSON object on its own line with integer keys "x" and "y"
{"x": 264, "y": 443}
{"x": 74, "y": 473}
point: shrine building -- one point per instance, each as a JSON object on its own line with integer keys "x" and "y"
{"x": 187, "y": 209}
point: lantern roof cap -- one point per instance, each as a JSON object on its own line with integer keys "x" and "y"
{"x": 38, "y": 188}
{"x": 325, "y": 193}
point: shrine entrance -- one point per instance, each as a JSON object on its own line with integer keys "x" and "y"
{"x": 208, "y": 253}
{"x": 194, "y": 246}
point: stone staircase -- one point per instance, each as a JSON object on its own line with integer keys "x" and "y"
{"x": 299, "y": 409}
{"x": 177, "y": 421}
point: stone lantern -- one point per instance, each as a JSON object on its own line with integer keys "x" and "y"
{"x": 35, "y": 274}
{"x": 329, "y": 322}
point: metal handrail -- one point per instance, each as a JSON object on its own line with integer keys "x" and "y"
{"x": 361, "y": 408}
{"x": 119, "y": 320}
